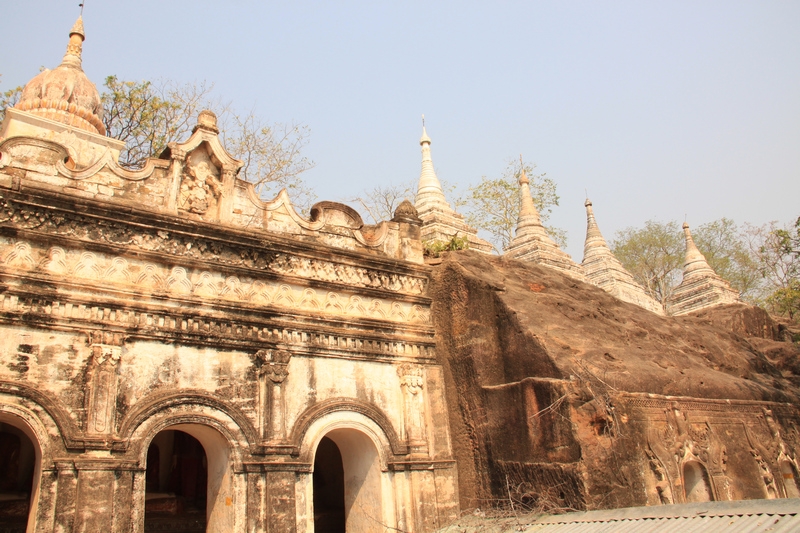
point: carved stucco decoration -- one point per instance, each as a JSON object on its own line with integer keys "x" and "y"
{"x": 273, "y": 369}
{"x": 678, "y": 442}
{"x": 773, "y": 456}
{"x": 118, "y": 232}
{"x": 412, "y": 381}
{"x": 203, "y": 173}
{"x": 102, "y": 383}
{"x": 207, "y": 285}
{"x": 201, "y": 186}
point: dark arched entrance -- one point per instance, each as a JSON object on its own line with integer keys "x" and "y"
{"x": 329, "y": 513}
{"x": 17, "y": 469}
{"x": 176, "y": 484}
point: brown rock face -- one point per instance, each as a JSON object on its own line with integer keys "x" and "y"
{"x": 562, "y": 395}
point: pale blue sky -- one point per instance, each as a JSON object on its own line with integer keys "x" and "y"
{"x": 660, "y": 110}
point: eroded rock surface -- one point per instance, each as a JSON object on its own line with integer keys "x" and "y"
{"x": 564, "y": 395}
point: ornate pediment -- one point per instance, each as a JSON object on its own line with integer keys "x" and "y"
{"x": 203, "y": 173}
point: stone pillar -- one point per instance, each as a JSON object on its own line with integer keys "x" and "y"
{"x": 96, "y": 504}
{"x": 411, "y": 382}
{"x": 273, "y": 369}
{"x": 67, "y": 480}
{"x": 101, "y": 385}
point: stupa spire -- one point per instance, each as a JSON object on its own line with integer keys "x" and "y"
{"x": 528, "y": 214}
{"x": 430, "y": 189}
{"x": 439, "y": 221}
{"x": 695, "y": 263}
{"x": 607, "y": 272}
{"x": 701, "y": 287}
{"x": 531, "y": 241}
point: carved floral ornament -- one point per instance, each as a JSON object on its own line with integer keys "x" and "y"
{"x": 273, "y": 364}
{"x": 411, "y": 377}
{"x": 679, "y": 442}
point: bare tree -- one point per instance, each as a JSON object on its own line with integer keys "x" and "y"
{"x": 381, "y": 202}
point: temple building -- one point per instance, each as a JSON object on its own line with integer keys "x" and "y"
{"x": 179, "y": 354}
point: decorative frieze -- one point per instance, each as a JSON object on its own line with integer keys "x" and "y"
{"x": 102, "y": 381}
{"x": 148, "y": 277}
{"x": 223, "y": 331}
{"x": 192, "y": 246}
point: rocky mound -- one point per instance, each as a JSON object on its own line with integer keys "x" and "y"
{"x": 520, "y": 342}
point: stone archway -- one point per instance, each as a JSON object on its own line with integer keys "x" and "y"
{"x": 192, "y": 480}
{"x": 369, "y": 497}
{"x": 359, "y": 487}
{"x": 20, "y": 472}
{"x": 695, "y": 482}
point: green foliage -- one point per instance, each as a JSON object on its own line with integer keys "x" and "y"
{"x": 9, "y": 98}
{"x": 777, "y": 250}
{"x": 654, "y": 256}
{"x": 493, "y": 204}
{"x": 147, "y": 116}
{"x": 786, "y": 300}
{"x": 435, "y": 248}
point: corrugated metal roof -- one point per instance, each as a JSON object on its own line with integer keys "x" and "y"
{"x": 773, "y": 516}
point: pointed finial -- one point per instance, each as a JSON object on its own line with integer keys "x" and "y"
{"x": 72, "y": 57}
{"x": 523, "y": 177}
{"x": 81, "y": 6}
{"x": 425, "y": 138}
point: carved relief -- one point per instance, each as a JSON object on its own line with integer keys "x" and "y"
{"x": 56, "y": 261}
{"x": 273, "y": 369}
{"x": 412, "y": 382}
{"x": 20, "y": 257}
{"x": 118, "y": 232}
{"x": 201, "y": 187}
{"x": 682, "y": 448}
{"x": 208, "y": 285}
{"x": 101, "y": 395}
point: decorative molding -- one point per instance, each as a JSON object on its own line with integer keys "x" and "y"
{"x": 117, "y": 232}
{"x": 332, "y": 405}
{"x": 142, "y": 276}
{"x": 223, "y": 331}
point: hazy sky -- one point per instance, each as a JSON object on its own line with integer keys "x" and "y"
{"x": 660, "y": 110}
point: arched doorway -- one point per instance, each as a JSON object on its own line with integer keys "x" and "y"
{"x": 695, "y": 482}
{"x": 19, "y": 472}
{"x": 354, "y": 491}
{"x": 789, "y": 475}
{"x": 188, "y": 481}
{"x": 329, "y": 515}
